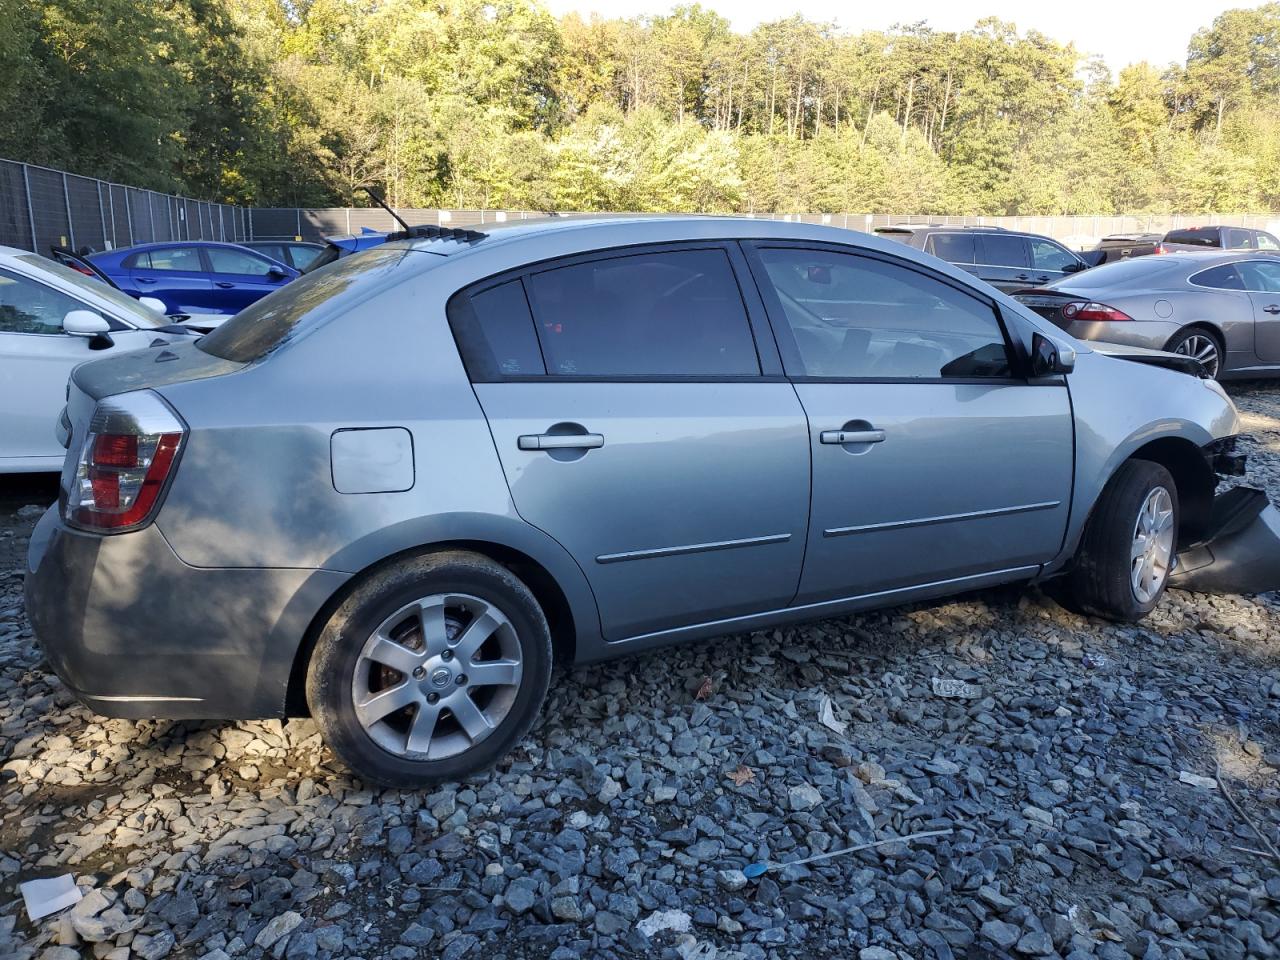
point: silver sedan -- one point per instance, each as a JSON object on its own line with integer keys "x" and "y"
{"x": 1221, "y": 308}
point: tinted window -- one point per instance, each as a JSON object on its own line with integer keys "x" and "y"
{"x": 273, "y": 250}
{"x": 494, "y": 330}
{"x": 954, "y": 247}
{"x": 30, "y": 307}
{"x": 999, "y": 251}
{"x": 171, "y": 258}
{"x": 1047, "y": 255}
{"x": 303, "y": 256}
{"x": 222, "y": 260}
{"x": 853, "y": 316}
{"x": 1224, "y": 277}
{"x": 1197, "y": 238}
{"x": 1260, "y": 276}
{"x": 1239, "y": 238}
{"x": 673, "y": 313}
{"x": 1267, "y": 242}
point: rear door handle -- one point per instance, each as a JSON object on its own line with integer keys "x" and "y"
{"x": 1271, "y": 308}
{"x": 224, "y": 284}
{"x": 851, "y": 436}
{"x": 145, "y": 279}
{"x": 560, "y": 441}
{"x": 1023, "y": 276}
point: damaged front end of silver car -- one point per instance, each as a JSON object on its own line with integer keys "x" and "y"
{"x": 1241, "y": 550}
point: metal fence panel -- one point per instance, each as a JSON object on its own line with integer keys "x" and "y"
{"x": 49, "y": 201}
{"x": 86, "y": 212}
{"x": 15, "y": 214}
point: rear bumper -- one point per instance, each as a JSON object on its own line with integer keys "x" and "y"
{"x": 137, "y": 633}
{"x": 1241, "y": 553}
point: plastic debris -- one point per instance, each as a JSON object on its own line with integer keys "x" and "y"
{"x": 953, "y": 689}
{"x": 761, "y": 867}
{"x": 43, "y": 897}
{"x": 676, "y": 921}
{"x": 827, "y": 716}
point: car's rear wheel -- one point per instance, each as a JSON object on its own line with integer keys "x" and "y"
{"x": 431, "y": 669}
{"x": 1199, "y": 344}
{"x": 1128, "y": 548}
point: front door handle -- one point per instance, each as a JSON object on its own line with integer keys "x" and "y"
{"x": 1271, "y": 308}
{"x": 560, "y": 441}
{"x": 1023, "y": 276}
{"x": 851, "y": 436}
{"x": 224, "y": 284}
{"x": 145, "y": 279}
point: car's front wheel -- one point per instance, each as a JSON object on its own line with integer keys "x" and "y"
{"x": 430, "y": 670}
{"x": 1129, "y": 543}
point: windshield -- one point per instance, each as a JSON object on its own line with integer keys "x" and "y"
{"x": 129, "y": 308}
{"x": 257, "y": 330}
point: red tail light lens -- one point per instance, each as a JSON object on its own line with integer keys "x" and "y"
{"x": 1093, "y": 311}
{"x": 1160, "y": 248}
{"x": 124, "y": 463}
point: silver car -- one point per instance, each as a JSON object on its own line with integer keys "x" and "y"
{"x": 393, "y": 492}
{"x": 1221, "y": 308}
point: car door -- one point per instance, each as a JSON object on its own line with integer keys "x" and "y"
{"x": 36, "y": 358}
{"x": 1261, "y": 280}
{"x": 639, "y": 425}
{"x": 933, "y": 461}
{"x": 176, "y": 275}
{"x": 1051, "y": 261}
{"x": 241, "y": 277}
{"x": 1005, "y": 260}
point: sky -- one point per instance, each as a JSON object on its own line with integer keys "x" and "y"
{"x": 1122, "y": 33}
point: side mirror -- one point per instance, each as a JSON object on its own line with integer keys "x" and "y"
{"x": 84, "y": 323}
{"x": 1048, "y": 359}
{"x": 154, "y": 303}
{"x": 1075, "y": 267}
{"x": 276, "y": 273}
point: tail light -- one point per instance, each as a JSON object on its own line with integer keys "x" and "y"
{"x": 125, "y": 463}
{"x": 1160, "y": 248}
{"x": 1093, "y": 311}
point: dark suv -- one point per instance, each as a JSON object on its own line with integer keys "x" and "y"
{"x": 1004, "y": 258}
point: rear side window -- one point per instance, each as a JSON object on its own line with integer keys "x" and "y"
{"x": 1001, "y": 251}
{"x": 1195, "y": 238}
{"x": 673, "y": 313}
{"x": 494, "y": 330}
{"x": 953, "y": 247}
{"x": 170, "y": 258}
{"x": 1225, "y": 277}
{"x": 238, "y": 261}
{"x": 273, "y": 250}
{"x": 1239, "y": 238}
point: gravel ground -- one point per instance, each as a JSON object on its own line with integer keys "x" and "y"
{"x": 1111, "y": 791}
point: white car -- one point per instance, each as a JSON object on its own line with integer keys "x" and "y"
{"x": 52, "y": 318}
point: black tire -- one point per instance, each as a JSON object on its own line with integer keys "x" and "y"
{"x": 332, "y": 668}
{"x": 1100, "y": 582}
{"x": 1180, "y": 340}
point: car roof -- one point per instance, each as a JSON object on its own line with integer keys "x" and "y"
{"x": 924, "y": 227}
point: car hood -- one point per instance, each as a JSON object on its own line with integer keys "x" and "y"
{"x": 1156, "y": 358}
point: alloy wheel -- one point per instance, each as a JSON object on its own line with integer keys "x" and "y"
{"x": 1152, "y": 550}
{"x": 1203, "y": 348}
{"x": 437, "y": 676}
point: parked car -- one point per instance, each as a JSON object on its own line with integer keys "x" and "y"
{"x": 1123, "y": 246}
{"x": 390, "y": 493}
{"x": 1221, "y": 308}
{"x": 1004, "y": 258}
{"x": 51, "y": 319}
{"x": 298, "y": 254}
{"x": 195, "y": 277}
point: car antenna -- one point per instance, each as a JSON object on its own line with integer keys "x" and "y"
{"x": 376, "y": 198}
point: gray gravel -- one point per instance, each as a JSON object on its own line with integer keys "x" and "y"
{"x": 1075, "y": 761}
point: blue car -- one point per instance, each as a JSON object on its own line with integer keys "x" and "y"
{"x": 195, "y": 277}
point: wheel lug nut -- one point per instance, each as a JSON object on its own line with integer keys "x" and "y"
{"x": 462, "y": 678}
{"x": 432, "y": 697}
{"x": 419, "y": 673}
{"x": 447, "y": 655}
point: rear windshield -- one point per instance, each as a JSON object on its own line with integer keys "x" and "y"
{"x": 1136, "y": 270}
{"x": 1198, "y": 238}
{"x": 257, "y": 330}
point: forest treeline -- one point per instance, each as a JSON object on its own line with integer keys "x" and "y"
{"x": 465, "y": 103}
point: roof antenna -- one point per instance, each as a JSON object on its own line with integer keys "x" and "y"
{"x": 376, "y": 198}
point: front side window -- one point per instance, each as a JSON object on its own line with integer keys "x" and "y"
{"x": 1047, "y": 255}
{"x": 1266, "y": 241}
{"x": 240, "y": 262}
{"x": 169, "y": 258}
{"x": 857, "y": 317}
{"x": 273, "y": 250}
{"x": 30, "y": 307}
{"x": 953, "y": 247}
{"x": 1002, "y": 251}
{"x": 673, "y": 313}
{"x": 1260, "y": 276}
{"x": 1225, "y": 277}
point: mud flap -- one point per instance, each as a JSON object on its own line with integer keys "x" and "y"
{"x": 1241, "y": 553}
